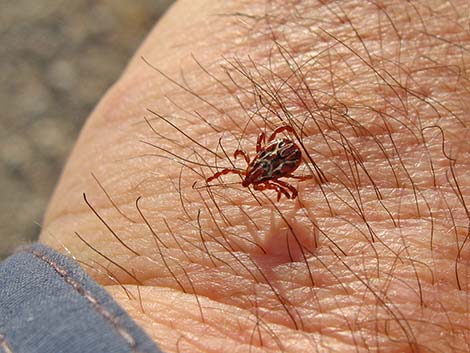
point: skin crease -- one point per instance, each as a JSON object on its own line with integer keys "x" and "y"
{"x": 372, "y": 256}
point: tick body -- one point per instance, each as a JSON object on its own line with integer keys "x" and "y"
{"x": 278, "y": 158}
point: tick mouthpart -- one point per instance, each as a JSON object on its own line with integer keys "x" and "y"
{"x": 245, "y": 182}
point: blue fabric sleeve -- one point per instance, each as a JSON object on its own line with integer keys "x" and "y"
{"x": 49, "y": 305}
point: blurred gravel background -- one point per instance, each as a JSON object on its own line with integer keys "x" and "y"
{"x": 57, "y": 58}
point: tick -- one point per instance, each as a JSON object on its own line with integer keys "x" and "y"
{"x": 278, "y": 158}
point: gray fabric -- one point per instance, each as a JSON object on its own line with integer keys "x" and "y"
{"x": 49, "y": 305}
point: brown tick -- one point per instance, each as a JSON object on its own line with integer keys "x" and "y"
{"x": 274, "y": 160}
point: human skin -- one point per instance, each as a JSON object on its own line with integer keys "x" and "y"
{"x": 371, "y": 256}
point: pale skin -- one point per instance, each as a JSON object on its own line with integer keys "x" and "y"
{"x": 373, "y": 253}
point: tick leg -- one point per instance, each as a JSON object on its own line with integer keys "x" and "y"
{"x": 285, "y": 185}
{"x": 260, "y": 141}
{"x": 225, "y": 171}
{"x": 279, "y": 130}
{"x": 243, "y": 154}
{"x": 299, "y": 177}
{"x": 270, "y": 186}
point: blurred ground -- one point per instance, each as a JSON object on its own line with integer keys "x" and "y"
{"x": 57, "y": 58}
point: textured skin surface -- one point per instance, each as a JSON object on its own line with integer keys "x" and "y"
{"x": 372, "y": 259}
